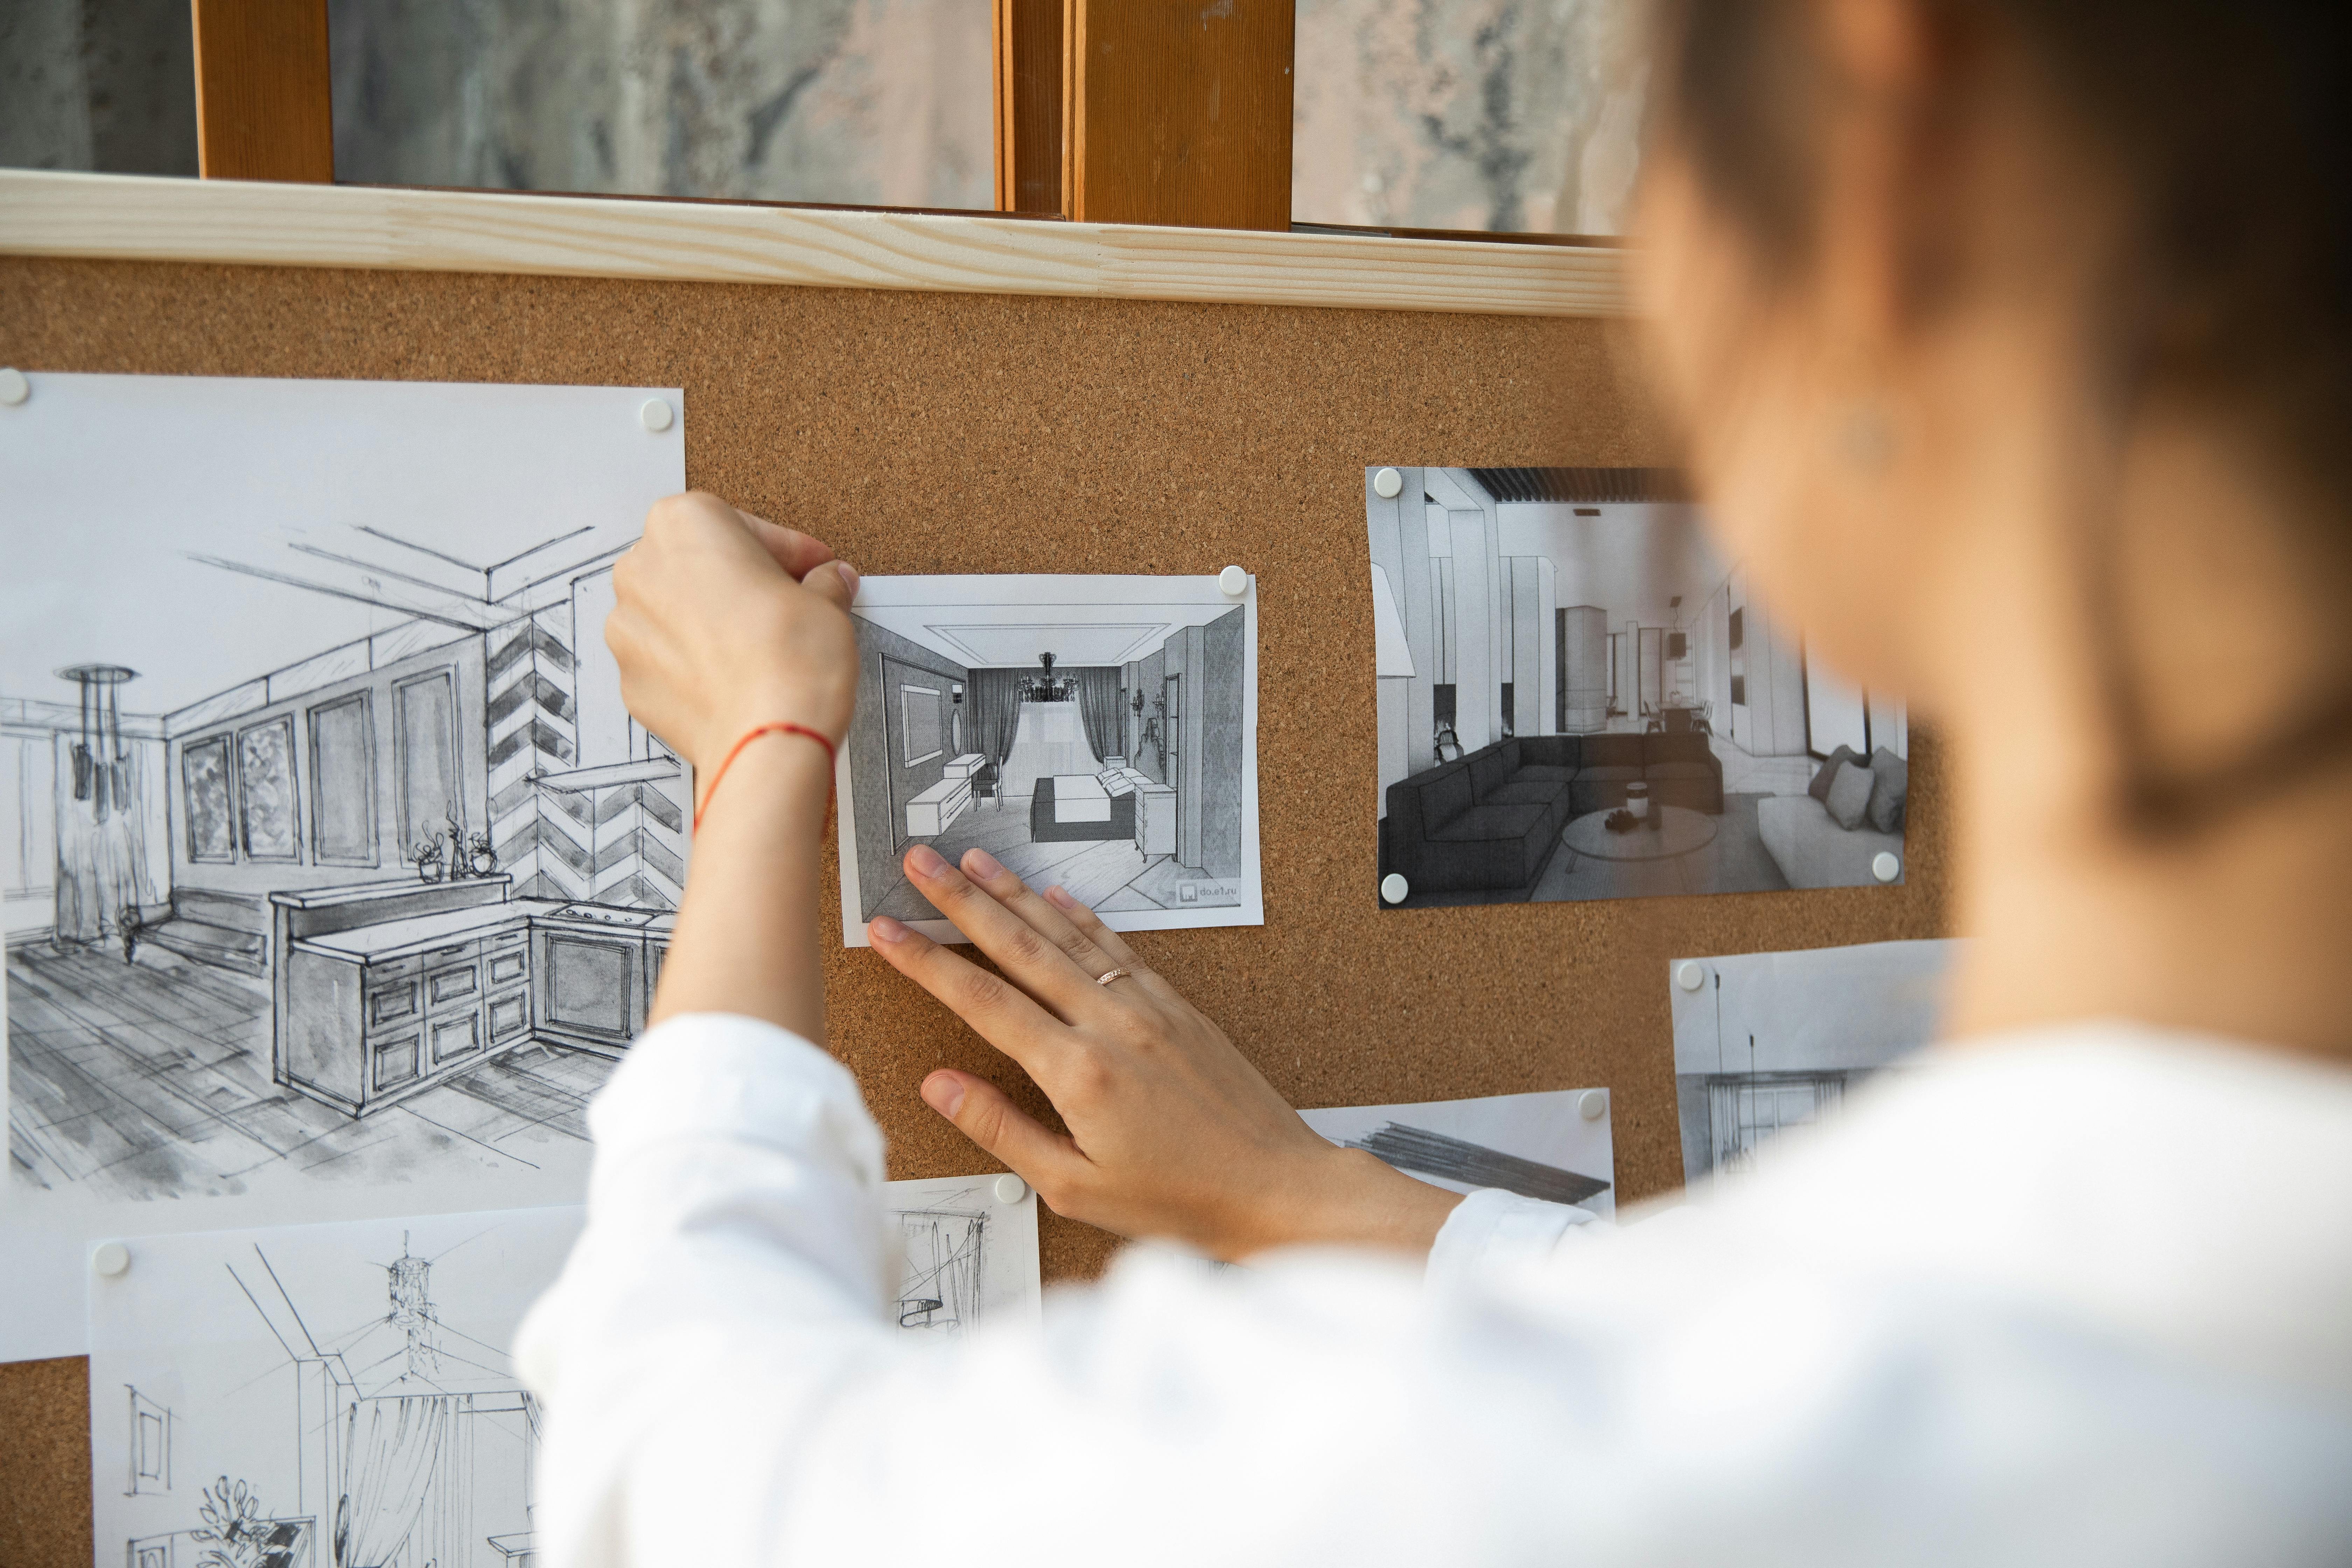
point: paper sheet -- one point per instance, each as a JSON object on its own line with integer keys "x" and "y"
{"x": 308, "y": 630}
{"x": 1542, "y": 1145}
{"x": 1765, "y": 1041}
{"x": 1578, "y": 698}
{"x": 1047, "y": 676}
{"x": 285, "y": 1364}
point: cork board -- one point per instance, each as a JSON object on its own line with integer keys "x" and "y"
{"x": 945, "y": 433}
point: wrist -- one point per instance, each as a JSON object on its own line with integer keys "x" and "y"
{"x": 1349, "y": 1197}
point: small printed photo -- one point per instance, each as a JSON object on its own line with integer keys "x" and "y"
{"x": 1765, "y": 1042}
{"x": 1580, "y": 699}
{"x": 1099, "y": 732}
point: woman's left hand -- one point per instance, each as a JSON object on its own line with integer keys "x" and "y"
{"x": 1172, "y": 1131}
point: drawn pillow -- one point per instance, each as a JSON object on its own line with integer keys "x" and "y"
{"x": 1890, "y": 790}
{"x": 1849, "y": 795}
{"x": 1826, "y": 775}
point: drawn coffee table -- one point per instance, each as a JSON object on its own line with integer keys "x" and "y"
{"x": 1680, "y": 830}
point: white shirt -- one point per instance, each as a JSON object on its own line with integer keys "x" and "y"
{"x": 2079, "y": 1297}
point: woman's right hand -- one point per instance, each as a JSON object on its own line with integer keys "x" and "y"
{"x": 1172, "y": 1131}
{"x": 725, "y": 622}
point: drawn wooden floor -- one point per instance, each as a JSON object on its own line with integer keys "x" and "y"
{"x": 135, "y": 1081}
{"x": 1105, "y": 875}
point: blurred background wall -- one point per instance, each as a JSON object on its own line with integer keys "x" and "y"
{"x": 1473, "y": 114}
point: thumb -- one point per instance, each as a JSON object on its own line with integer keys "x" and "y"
{"x": 986, "y": 1114}
{"x": 835, "y": 582}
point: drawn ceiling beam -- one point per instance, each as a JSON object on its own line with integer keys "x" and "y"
{"x": 368, "y": 586}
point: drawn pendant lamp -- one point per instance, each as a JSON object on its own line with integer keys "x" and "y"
{"x": 101, "y": 856}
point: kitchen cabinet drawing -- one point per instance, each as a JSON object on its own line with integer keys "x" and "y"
{"x": 332, "y": 854}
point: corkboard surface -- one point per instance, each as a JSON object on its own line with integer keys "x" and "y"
{"x": 966, "y": 433}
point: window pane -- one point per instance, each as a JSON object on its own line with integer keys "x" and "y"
{"x": 1476, "y": 114}
{"x": 265, "y": 790}
{"x": 211, "y": 826}
{"x": 342, "y": 781}
{"x": 872, "y": 103}
{"x": 427, "y": 766}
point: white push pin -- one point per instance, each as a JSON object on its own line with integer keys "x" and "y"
{"x": 1885, "y": 866}
{"x": 14, "y": 387}
{"x": 1232, "y": 582}
{"x": 111, "y": 1259}
{"x": 1387, "y": 483}
{"x": 1011, "y": 1189}
{"x": 657, "y": 414}
{"x": 1592, "y": 1104}
{"x": 1690, "y": 976}
{"x": 1394, "y": 888}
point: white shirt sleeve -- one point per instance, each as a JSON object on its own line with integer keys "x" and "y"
{"x": 723, "y": 1385}
{"x": 1495, "y": 1229}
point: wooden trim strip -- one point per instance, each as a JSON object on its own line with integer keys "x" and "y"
{"x": 139, "y": 218}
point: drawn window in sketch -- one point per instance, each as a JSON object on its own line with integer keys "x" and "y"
{"x": 918, "y": 717}
{"x": 425, "y": 740}
{"x": 1744, "y": 1112}
{"x": 211, "y": 811}
{"x": 342, "y": 781}
{"x": 151, "y": 1446}
{"x": 941, "y": 1292}
{"x": 265, "y": 790}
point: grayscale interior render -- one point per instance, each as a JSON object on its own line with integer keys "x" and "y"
{"x": 1100, "y": 746}
{"x": 1764, "y": 1042}
{"x": 1580, "y": 699}
{"x": 400, "y": 900}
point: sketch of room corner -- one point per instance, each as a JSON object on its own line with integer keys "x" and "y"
{"x": 415, "y": 1443}
{"x": 149, "y": 1446}
{"x": 376, "y": 906}
{"x": 946, "y": 1266}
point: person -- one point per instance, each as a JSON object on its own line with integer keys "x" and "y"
{"x": 2007, "y": 339}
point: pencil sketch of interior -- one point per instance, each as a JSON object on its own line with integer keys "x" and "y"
{"x": 1090, "y": 732}
{"x": 1577, "y": 699}
{"x": 351, "y": 863}
{"x": 328, "y": 1406}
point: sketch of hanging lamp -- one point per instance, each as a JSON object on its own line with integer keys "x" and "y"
{"x": 99, "y": 758}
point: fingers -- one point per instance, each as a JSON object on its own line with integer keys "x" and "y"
{"x": 1047, "y": 920}
{"x": 1048, "y": 1161}
{"x": 996, "y": 1009}
{"x": 1036, "y": 964}
{"x": 795, "y": 551}
{"x": 835, "y": 582}
{"x": 1090, "y": 925}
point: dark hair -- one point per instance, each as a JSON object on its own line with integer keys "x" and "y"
{"x": 2227, "y": 125}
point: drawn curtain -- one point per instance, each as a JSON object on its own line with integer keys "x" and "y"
{"x": 388, "y": 1457}
{"x": 1098, "y": 707}
{"x": 994, "y": 698}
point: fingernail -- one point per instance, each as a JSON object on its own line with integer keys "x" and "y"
{"x": 849, "y": 576}
{"x": 979, "y": 863}
{"x": 882, "y": 928}
{"x": 943, "y": 1094}
{"x": 924, "y": 861}
{"x": 1060, "y": 898}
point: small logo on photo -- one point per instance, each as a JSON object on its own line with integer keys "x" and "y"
{"x": 1215, "y": 894}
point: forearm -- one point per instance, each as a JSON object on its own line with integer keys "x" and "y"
{"x": 747, "y": 928}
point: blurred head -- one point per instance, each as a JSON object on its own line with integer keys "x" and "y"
{"x": 2010, "y": 340}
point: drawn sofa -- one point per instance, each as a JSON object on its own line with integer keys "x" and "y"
{"x": 1490, "y": 820}
{"x": 1085, "y": 810}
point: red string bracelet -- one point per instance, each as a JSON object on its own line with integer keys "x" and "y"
{"x": 751, "y": 735}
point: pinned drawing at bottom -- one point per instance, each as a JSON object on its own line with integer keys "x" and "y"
{"x": 309, "y": 1396}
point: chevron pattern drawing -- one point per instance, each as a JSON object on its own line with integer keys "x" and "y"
{"x": 639, "y": 857}
{"x": 533, "y": 728}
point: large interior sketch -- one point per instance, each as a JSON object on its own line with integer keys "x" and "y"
{"x": 352, "y": 861}
{"x": 1089, "y": 732}
{"x": 1577, "y": 699}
